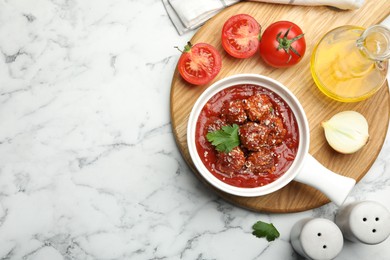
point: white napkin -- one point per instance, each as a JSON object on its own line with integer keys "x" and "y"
{"x": 189, "y": 14}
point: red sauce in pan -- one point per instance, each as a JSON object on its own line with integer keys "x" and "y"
{"x": 268, "y": 132}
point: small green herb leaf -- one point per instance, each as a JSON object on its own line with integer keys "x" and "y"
{"x": 262, "y": 229}
{"x": 224, "y": 139}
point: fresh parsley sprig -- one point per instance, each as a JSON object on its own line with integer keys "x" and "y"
{"x": 262, "y": 229}
{"x": 224, "y": 139}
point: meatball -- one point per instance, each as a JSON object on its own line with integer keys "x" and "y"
{"x": 230, "y": 162}
{"x": 258, "y": 107}
{"x": 216, "y": 124}
{"x": 253, "y": 136}
{"x": 261, "y": 162}
{"x": 277, "y": 130}
{"x": 233, "y": 112}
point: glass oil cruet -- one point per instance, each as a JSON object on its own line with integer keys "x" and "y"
{"x": 350, "y": 63}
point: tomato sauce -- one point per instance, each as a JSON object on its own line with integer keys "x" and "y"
{"x": 282, "y": 149}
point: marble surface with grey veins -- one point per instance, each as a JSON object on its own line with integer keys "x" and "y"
{"x": 89, "y": 166}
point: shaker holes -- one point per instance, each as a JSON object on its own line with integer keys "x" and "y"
{"x": 365, "y": 219}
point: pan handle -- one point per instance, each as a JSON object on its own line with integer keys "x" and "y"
{"x": 335, "y": 186}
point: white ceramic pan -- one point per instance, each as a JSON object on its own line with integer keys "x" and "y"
{"x": 305, "y": 168}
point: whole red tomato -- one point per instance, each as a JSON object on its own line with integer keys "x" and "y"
{"x": 282, "y": 44}
{"x": 199, "y": 63}
{"x": 240, "y": 36}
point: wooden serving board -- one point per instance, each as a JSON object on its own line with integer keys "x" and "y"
{"x": 315, "y": 22}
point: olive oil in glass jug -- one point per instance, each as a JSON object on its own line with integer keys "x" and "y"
{"x": 350, "y": 63}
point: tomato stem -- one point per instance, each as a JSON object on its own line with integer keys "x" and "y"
{"x": 176, "y": 47}
{"x": 187, "y": 48}
{"x": 285, "y": 43}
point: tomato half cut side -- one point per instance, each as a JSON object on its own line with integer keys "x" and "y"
{"x": 240, "y": 36}
{"x": 199, "y": 63}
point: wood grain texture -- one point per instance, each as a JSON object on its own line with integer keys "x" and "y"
{"x": 315, "y": 22}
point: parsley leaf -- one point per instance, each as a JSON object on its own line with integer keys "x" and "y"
{"x": 224, "y": 139}
{"x": 262, "y": 229}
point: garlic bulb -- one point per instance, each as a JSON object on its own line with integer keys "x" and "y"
{"x": 346, "y": 132}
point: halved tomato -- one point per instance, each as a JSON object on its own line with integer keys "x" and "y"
{"x": 240, "y": 36}
{"x": 199, "y": 63}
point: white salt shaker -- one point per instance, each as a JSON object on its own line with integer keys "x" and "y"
{"x": 367, "y": 222}
{"x": 316, "y": 238}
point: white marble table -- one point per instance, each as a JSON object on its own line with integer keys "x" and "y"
{"x": 89, "y": 167}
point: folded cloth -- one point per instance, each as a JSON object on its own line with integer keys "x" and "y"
{"x": 187, "y": 15}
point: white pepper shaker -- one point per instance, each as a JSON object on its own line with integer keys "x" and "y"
{"x": 316, "y": 238}
{"x": 367, "y": 222}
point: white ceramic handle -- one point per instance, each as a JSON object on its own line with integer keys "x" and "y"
{"x": 336, "y": 187}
